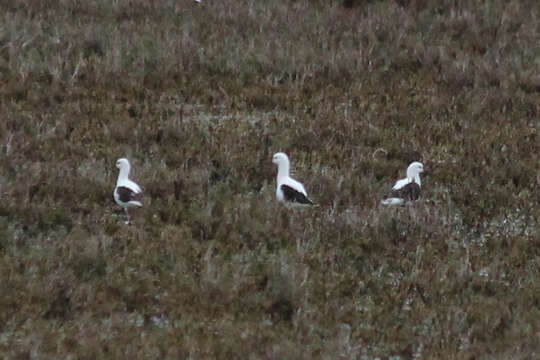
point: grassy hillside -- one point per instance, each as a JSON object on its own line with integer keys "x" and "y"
{"x": 199, "y": 97}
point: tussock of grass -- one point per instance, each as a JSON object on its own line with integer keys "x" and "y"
{"x": 199, "y": 96}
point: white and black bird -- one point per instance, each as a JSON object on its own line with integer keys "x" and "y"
{"x": 408, "y": 189}
{"x": 127, "y": 193}
{"x": 289, "y": 191}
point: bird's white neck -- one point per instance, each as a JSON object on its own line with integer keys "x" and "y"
{"x": 124, "y": 174}
{"x": 415, "y": 178}
{"x": 283, "y": 170}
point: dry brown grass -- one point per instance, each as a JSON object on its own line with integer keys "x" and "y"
{"x": 199, "y": 97}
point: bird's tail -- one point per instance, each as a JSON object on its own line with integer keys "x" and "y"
{"x": 392, "y": 201}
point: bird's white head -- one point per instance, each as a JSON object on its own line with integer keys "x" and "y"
{"x": 283, "y": 164}
{"x": 122, "y": 163}
{"x": 414, "y": 170}
{"x": 280, "y": 158}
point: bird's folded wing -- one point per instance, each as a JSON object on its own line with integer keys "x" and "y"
{"x": 293, "y": 195}
{"x": 127, "y": 194}
{"x": 407, "y": 192}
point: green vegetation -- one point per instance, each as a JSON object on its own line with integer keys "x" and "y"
{"x": 199, "y": 97}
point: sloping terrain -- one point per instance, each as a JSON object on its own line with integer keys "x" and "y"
{"x": 199, "y": 97}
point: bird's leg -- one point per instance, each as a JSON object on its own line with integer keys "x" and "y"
{"x": 128, "y": 221}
